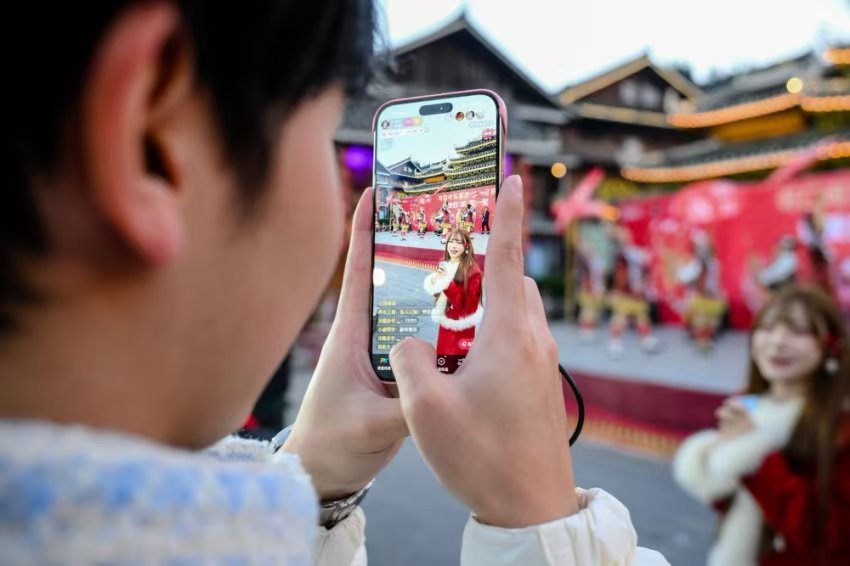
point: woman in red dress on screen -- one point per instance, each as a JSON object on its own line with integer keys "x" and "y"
{"x": 456, "y": 285}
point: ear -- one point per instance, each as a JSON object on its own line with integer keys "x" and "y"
{"x": 138, "y": 71}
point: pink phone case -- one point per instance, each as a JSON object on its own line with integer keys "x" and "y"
{"x": 503, "y": 112}
{"x": 503, "y": 118}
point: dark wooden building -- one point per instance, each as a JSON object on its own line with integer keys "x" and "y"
{"x": 650, "y": 128}
{"x": 458, "y": 57}
{"x": 620, "y": 115}
{"x": 752, "y": 122}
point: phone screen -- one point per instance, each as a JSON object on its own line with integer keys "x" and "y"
{"x": 437, "y": 171}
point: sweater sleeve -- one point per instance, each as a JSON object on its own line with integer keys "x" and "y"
{"x": 343, "y": 545}
{"x": 601, "y": 533}
{"x": 239, "y": 449}
{"x": 789, "y": 502}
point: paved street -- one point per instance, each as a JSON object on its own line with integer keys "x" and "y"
{"x": 412, "y": 521}
{"x": 404, "y": 286}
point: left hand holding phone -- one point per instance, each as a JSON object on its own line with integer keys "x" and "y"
{"x": 349, "y": 426}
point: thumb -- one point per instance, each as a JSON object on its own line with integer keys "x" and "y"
{"x": 412, "y": 361}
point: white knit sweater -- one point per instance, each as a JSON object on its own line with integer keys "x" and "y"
{"x": 74, "y": 495}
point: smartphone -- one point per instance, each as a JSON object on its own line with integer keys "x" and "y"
{"x": 439, "y": 163}
{"x": 750, "y": 402}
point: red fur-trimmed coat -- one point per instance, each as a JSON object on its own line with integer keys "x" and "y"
{"x": 750, "y": 478}
{"x": 787, "y": 498}
{"x": 457, "y": 311}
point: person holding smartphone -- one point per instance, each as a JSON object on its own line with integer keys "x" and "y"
{"x": 154, "y": 184}
{"x": 457, "y": 287}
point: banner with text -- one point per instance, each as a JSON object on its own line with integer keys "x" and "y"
{"x": 745, "y": 222}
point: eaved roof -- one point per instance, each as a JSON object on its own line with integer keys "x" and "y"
{"x": 585, "y": 88}
{"x": 460, "y": 24}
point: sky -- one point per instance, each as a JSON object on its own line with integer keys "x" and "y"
{"x": 560, "y": 42}
{"x": 440, "y": 133}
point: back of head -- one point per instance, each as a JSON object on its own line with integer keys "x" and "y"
{"x": 146, "y": 198}
{"x": 257, "y": 61}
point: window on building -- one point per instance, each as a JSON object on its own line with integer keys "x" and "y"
{"x": 650, "y": 97}
{"x": 629, "y": 93}
{"x": 671, "y": 101}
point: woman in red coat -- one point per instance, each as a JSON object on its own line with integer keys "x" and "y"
{"x": 812, "y": 524}
{"x": 456, "y": 285}
{"x": 778, "y": 465}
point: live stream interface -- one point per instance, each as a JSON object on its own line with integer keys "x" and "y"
{"x": 435, "y": 183}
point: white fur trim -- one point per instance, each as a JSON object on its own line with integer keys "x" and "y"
{"x": 739, "y": 535}
{"x": 435, "y": 284}
{"x": 451, "y": 269}
{"x": 438, "y": 315}
{"x": 740, "y": 456}
{"x": 710, "y": 468}
{"x": 689, "y": 469}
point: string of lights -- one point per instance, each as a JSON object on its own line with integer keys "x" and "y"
{"x": 794, "y": 97}
{"x": 685, "y": 173}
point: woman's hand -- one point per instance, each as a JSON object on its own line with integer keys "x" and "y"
{"x": 349, "y": 426}
{"x": 733, "y": 419}
{"x": 496, "y": 432}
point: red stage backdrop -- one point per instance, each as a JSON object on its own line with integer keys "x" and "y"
{"x": 745, "y": 222}
{"x": 479, "y": 197}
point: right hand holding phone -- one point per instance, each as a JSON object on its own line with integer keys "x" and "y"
{"x": 495, "y": 432}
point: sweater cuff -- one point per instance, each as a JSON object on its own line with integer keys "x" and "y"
{"x": 345, "y": 543}
{"x": 600, "y": 533}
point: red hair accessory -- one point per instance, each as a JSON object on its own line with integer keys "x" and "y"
{"x": 833, "y": 354}
{"x": 834, "y": 344}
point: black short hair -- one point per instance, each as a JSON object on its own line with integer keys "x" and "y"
{"x": 257, "y": 59}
